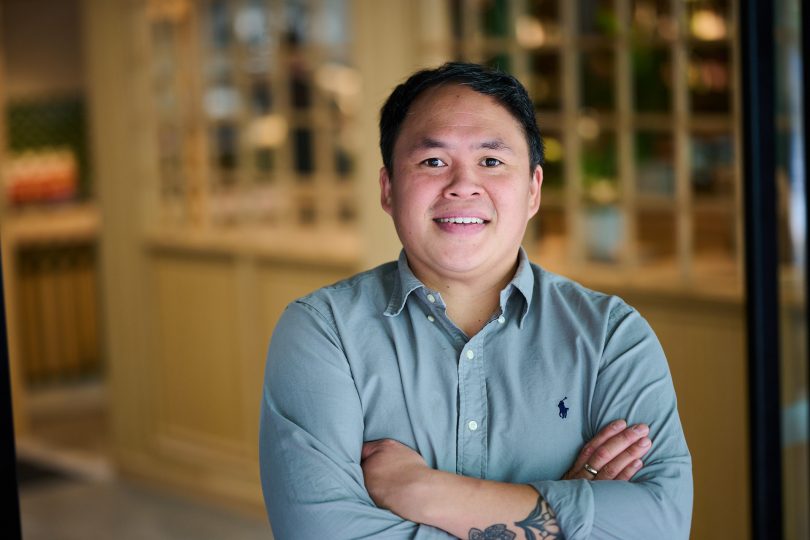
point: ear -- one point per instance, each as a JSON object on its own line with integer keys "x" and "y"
{"x": 386, "y": 195}
{"x": 534, "y": 190}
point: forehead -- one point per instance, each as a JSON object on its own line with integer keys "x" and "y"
{"x": 456, "y": 110}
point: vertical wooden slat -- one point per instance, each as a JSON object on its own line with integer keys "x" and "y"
{"x": 683, "y": 161}
{"x": 572, "y": 143}
{"x": 629, "y": 258}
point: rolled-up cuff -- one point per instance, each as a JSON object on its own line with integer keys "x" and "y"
{"x": 572, "y": 502}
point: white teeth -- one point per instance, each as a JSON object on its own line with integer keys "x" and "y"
{"x": 460, "y": 220}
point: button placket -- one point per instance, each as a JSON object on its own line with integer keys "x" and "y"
{"x": 472, "y": 434}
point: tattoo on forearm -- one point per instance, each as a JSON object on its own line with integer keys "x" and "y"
{"x": 543, "y": 521}
{"x": 540, "y": 524}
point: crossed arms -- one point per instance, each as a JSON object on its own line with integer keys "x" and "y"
{"x": 398, "y": 479}
{"x": 320, "y": 479}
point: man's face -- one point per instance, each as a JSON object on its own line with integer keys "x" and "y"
{"x": 461, "y": 193}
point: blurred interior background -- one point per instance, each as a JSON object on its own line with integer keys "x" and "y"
{"x": 174, "y": 172}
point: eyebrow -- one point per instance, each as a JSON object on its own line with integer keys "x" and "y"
{"x": 429, "y": 142}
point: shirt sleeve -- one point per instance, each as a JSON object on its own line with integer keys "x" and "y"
{"x": 310, "y": 439}
{"x": 633, "y": 383}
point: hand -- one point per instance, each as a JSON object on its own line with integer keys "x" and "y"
{"x": 390, "y": 471}
{"x": 615, "y": 452}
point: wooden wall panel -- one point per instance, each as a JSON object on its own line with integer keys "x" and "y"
{"x": 280, "y": 284}
{"x": 705, "y": 346}
{"x": 198, "y": 371}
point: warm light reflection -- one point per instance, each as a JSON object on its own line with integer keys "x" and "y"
{"x": 645, "y": 16}
{"x": 168, "y": 10}
{"x": 342, "y": 81}
{"x": 708, "y": 76}
{"x": 553, "y": 149}
{"x": 529, "y": 32}
{"x": 708, "y": 25}
{"x": 588, "y": 128}
{"x": 269, "y": 131}
{"x": 603, "y": 191}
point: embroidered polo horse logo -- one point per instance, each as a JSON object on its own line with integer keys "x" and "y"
{"x": 563, "y": 408}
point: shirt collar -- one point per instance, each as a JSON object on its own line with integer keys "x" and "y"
{"x": 406, "y": 282}
{"x": 523, "y": 282}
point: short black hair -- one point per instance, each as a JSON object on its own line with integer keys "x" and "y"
{"x": 504, "y": 88}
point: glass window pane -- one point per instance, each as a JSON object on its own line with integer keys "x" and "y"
{"x": 552, "y": 230}
{"x": 545, "y": 83}
{"x": 709, "y": 78}
{"x": 261, "y": 99}
{"x": 598, "y": 79}
{"x": 713, "y": 239}
{"x": 712, "y": 157}
{"x": 264, "y": 160}
{"x": 334, "y": 23}
{"x": 655, "y": 170}
{"x": 604, "y": 233}
{"x": 597, "y": 17}
{"x": 791, "y": 177}
{"x": 298, "y": 20}
{"x": 656, "y": 236}
{"x": 495, "y": 18}
{"x": 599, "y": 168}
{"x": 225, "y": 144}
{"x": 544, "y": 10}
{"x": 652, "y": 19}
{"x": 220, "y": 24}
{"x": 303, "y": 151}
{"x": 250, "y": 24}
{"x": 652, "y": 78}
{"x": 300, "y": 87}
{"x": 553, "y": 173}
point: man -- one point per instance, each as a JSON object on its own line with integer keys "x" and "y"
{"x": 463, "y": 390}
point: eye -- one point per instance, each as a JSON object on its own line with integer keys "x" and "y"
{"x": 433, "y": 162}
{"x": 491, "y": 162}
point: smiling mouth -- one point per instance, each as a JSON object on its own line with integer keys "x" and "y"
{"x": 461, "y": 220}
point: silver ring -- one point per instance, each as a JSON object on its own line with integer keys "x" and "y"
{"x": 590, "y": 469}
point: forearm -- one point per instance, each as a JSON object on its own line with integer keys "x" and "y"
{"x": 468, "y": 507}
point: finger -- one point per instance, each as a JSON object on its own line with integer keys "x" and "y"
{"x": 617, "y": 465}
{"x": 630, "y": 470}
{"x": 617, "y": 444}
{"x": 603, "y": 436}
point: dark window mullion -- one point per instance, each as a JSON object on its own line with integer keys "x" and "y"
{"x": 761, "y": 259}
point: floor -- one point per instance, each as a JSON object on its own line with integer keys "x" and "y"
{"x": 69, "y": 489}
{"x": 65, "y": 509}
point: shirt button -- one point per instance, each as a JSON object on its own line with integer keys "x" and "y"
{"x": 431, "y": 318}
{"x": 470, "y": 354}
{"x": 473, "y": 425}
{"x": 431, "y": 298}
{"x": 501, "y": 319}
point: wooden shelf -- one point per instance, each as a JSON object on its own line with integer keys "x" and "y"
{"x": 57, "y": 224}
{"x": 334, "y": 247}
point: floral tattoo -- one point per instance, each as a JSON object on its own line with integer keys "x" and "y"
{"x": 540, "y": 524}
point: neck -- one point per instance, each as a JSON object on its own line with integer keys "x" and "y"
{"x": 471, "y": 302}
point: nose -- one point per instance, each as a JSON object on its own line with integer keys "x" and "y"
{"x": 463, "y": 183}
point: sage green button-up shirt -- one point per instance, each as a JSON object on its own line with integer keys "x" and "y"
{"x": 375, "y": 356}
